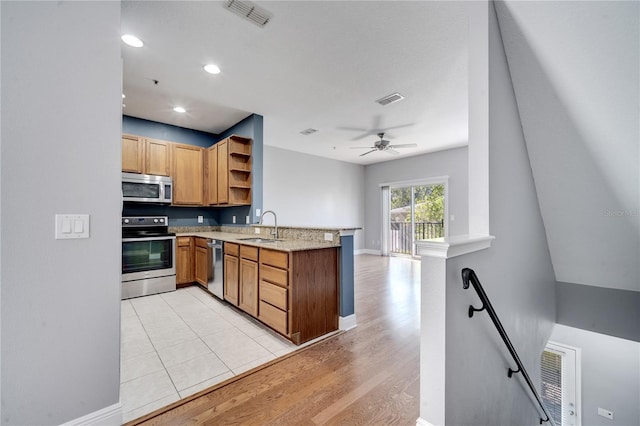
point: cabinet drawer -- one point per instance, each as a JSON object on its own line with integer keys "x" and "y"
{"x": 279, "y": 259}
{"x": 277, "y": 296}
{"x": 274, "y": 275}
{"x": 201, "y": 242}
{"x": 183, "y": 241}
{"x": 231, "y": 249}
{"x": 273, "y": 317}
{"x": 248, "y": 252}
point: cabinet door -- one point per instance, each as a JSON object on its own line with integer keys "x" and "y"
{"x": 188, "y": 175}
{"x": 202, "y": 262}
{"x": 223, "y": 172}
{"x": 132, "y": 154}
{"x": 249, "y": 287}
{"x": 184, "y": 260}
{"x": 231, "y": 279}
{"x": 211, "y": 176}
{"x": 157, "y": 157}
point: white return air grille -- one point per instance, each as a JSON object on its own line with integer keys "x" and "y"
{"x": 249, "y": 11}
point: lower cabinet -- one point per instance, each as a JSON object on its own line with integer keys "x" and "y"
{"x": 248, "y": 280}
{"x": 231, "y": 273}
{"x": 184, "y": 260}
{"x": 294, "y": 293}
{"x": 202, "y": 265}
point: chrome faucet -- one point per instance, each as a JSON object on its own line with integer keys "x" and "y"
{"x": 275, "y": 220}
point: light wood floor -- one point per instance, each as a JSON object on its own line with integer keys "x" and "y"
{"x": 366, "y": 376}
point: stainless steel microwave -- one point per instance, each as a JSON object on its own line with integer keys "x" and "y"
{"x": 147, "y": 188}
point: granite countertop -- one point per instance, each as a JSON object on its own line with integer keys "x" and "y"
{"x": 284, "y": 245}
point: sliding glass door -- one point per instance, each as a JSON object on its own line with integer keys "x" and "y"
{"x": 415, "y": 213}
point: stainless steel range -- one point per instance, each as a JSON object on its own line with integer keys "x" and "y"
{"x": 148, "y": 256}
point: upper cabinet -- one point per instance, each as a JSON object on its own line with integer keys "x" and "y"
{"x": 229, "y": 172}
{"x": 188, "y": 173}
{"x": 148, "y": 156}
{"x": 158, "y": 157}
{"x": 132, "y": 154}
{"x": 217, "y": 176}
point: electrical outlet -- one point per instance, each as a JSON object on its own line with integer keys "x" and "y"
{"x": 258, "y": 212}
{"x": 233, "y": 219}
{"x": 200, "y": 219}
{"x": 256, "y": 230}
{"x": 247, "y": 221}
{"x": 605, "y": 413}
{"x": 328, "y": 236}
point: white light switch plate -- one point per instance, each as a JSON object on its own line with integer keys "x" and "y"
{"x": 72, "y": 226}
{"x": 328, "y": 236}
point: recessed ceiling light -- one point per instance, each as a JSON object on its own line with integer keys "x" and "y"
{"x": 212, "y": 69}
{"x": 132, "y": 40}
{"x": 179, "y": 109}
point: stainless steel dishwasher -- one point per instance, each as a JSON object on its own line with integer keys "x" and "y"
{"x": 215, "y": 283}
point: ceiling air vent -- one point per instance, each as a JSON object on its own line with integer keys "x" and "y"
{"x": 389, "y": 99}
{"x": 308, "y": 131}
{"x": 249, "y": 11}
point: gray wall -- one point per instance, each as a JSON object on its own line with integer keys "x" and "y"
{"x": 305, "y": 190}
{"x": 610, "y": 375}
{"x": 578, "y": 92}
{"x": 452, "y": 163}
{"x": 61, "y": 114}
{"x": 516, "y": 272}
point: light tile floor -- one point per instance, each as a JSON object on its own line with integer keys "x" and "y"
{"x": 179, "y": 343}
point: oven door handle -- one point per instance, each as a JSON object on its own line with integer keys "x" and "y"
{"x": 129, "y": 240}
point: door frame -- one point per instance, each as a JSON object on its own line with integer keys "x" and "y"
{"x": 385, "y": 194}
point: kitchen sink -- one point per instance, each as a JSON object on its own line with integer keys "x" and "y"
{"x": 258, "y": 240}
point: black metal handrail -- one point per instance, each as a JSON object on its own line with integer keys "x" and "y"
{"x": 468, "y": 275}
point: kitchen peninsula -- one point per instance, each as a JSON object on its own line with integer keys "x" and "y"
{"x": 293, "y": 284}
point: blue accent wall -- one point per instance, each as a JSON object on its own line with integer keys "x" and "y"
{"x": 347, "y": 305}
{"x": 250, "y": 127}
{"x": 167, "y": 132}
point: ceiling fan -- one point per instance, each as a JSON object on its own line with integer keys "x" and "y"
{"x": 384, "y": 145}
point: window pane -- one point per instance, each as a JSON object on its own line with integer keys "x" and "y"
{"x": 552, "y": 392}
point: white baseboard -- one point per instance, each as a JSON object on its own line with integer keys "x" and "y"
{"x": 368, "y": 251}
{"x": 108, "y": 416}
{"x": 347, "y": 323}
{"x": 422, "y": 422}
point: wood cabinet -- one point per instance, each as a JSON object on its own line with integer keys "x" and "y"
{"x": 217, "y": 176}
{"x": 188, "y": 173}
{"x": 298, "y": 292}
{"x": 132, "y": 154}
{"x": 233, "y": 167}
{"x": 184, "y": 260}
{"x": 202, "y": 260}
{"x": 211, "y": 176}
{"x": 157, "y": 157}
{"x": 143, "y": 155}
{"x": 231, "y": 273}
{"x": 248, "y": 280}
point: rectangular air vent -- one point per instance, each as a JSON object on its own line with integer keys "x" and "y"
{"x": 249, "y": 11}
{"x": 389, "y": 99}
{"x": 308, "y": 131}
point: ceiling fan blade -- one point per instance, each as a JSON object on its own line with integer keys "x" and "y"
{"x": 361, "y": 147}
{"x": 404, "y": 145}
{"x": 391, "y": 151}
{"x": 368, "y": 152}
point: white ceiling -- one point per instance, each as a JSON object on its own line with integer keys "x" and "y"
{"x": 315, "y": 65}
